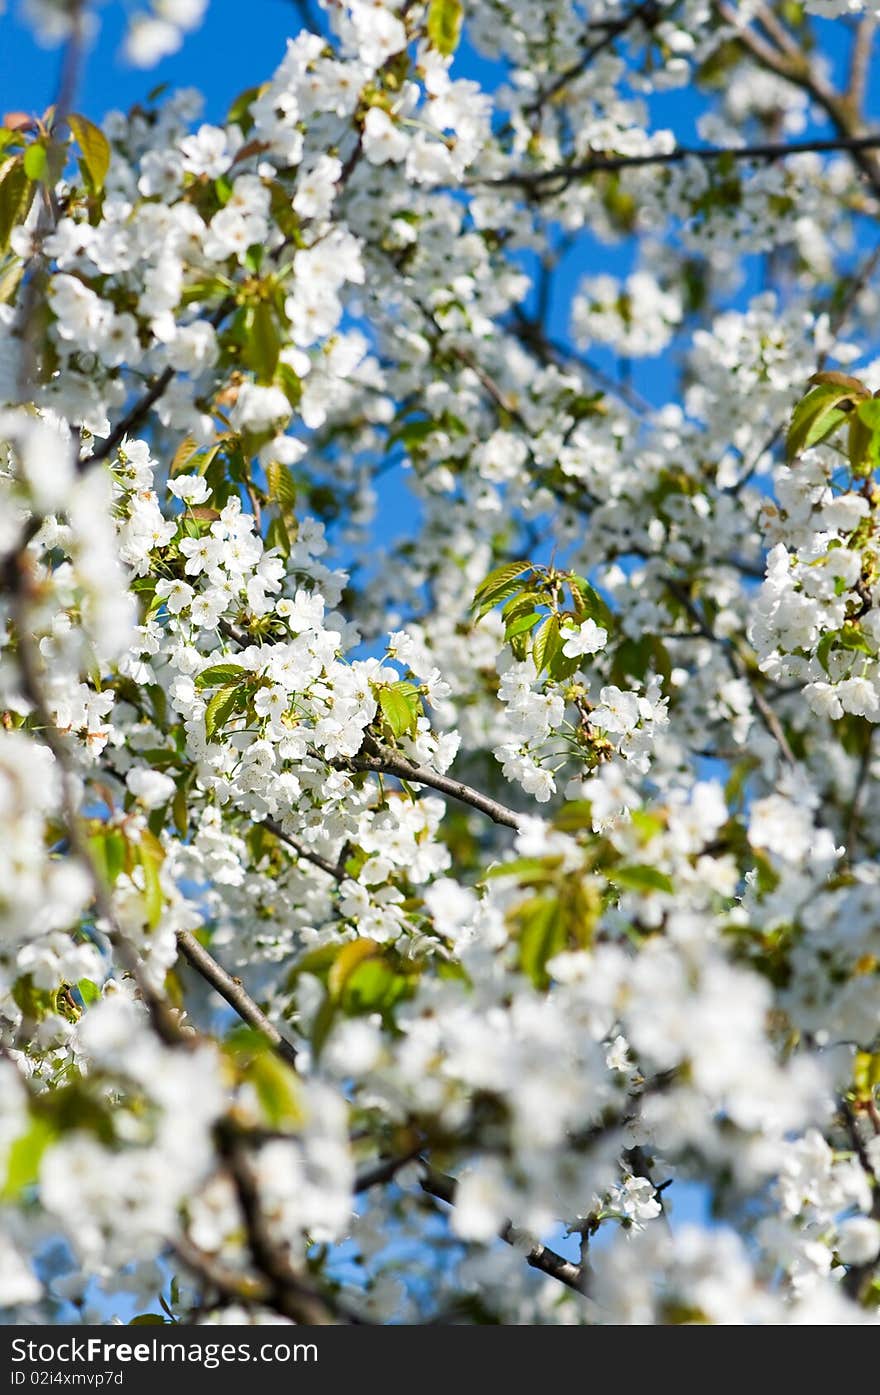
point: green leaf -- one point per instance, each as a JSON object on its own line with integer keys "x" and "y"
{"x": 547, "y": 643}
{"x": 497, "y": 580}
{"x": 444, "y": 25}
{"x": 220, "y": 675}
{"x": 220, "y": 709}
{"x": 278, "y": 536}
{"x": 88, "y": 991}
{"x": 204, "y": 459}
{"x": 238, "y": 112}
{"x": 638, "y": 877}
{"x": 352, "y": 954}
{"x": 35, "y": 162}
{"x": 400, "y": 707}
{"x": 281, "y": 484}
{"x": 863, "y": 445}
{"x": 373, "y": 986}
{"x": 183, "y": 455}
{"x": 529, "y": 871}
{"x": 108, "y": 850}
{"x": 150, "y": 856}
{"x": 264, "y": 344}
{"x": 820, "y": 412}
{"x": 13, "y": 200}
{"x": 851, "y": 637}
{"x": 179, "y": 811}
{"x": 95, "y": 149}
{"x": 158, "y": 702}
{"x": 290, "y": 384}
{"x": 148, "y": 1320}
{"x": 588, "y": 602}
{"x": 277, "y": 1090}
{"x": 542, "y": 935}
{"x": 10, "y": 279}
{"x": 511, "y": 589}
{"x": 521, "y": 624}
{"x": 25, "y": 1156}
{"x": 412, "y": 433}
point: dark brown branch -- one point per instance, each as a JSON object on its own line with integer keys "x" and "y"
{"x": 383, "y": 761}
{"x": 132, "y": 419}
{"x": 439, "y": 1185}
{"x": 140, "y": 409}
{"x": 234, "y": 993}
{"x": 787, "y": 60}
{"x": 859, "y": 1275}
{"x": 333, "y": 869}
{"x": 385, "y": 1171}
{"x": 647, "y": 13}
{"x": 289, "y": 1293}
{"x": 563, "y": 175}
{"x": 242, "y": 1288}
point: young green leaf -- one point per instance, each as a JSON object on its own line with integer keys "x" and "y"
{"x": 95, "y": 149}
{"x": 150, "y": 856}
{"x": 220, "y": 709}
{"x": 398, "y": 709}
{"x": 281, "y": 484}
{"x": 820, "y": 413}
{"x": 14, "y": 187}
{"x": 494, "y": 586}
{"x": 640, "y": 878}
{"x": 547, "y": 642}
{"x": 35, "y": 162}
{"x": 264, "y": 343}
{"x": 863, "y": 445}
{"x": 219, "y": 675}
{"x": 444, "y": 25}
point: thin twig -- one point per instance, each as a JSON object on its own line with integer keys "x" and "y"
{"x": 647, "y": 13}
{"x": 737, "y": 667}
{"x": 855, "y": 806}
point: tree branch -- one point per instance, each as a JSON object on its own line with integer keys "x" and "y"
{"x": 383, "y": 761}
{"x": 737, "y": 667}
{"x": 161, "y": 1015}
{"x": 439, "y": 1185}
{"x": 241, "y": 1288}
{"x": 233, "y": 992}
{"x": 290, "y": 1294}
{"x": 648, "y": 13}
{"x": 333, "y": 869}
{"x": 860, "y": 61}
{"x": 789, "y": 62}
{"x": 563, "y": 175}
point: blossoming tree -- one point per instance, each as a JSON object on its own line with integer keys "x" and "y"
{"x": 403, "y": 938}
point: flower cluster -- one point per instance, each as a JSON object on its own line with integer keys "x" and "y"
{"x": 545, "y": 889}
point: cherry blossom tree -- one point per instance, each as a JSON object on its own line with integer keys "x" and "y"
{"x": 401, "y": 928}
